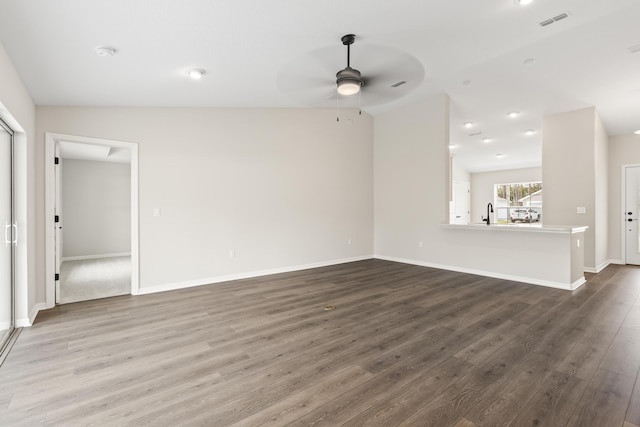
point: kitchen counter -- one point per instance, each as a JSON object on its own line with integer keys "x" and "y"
{"x": 547, "y": 255}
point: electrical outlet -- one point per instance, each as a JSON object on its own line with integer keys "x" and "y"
{"x": 581, "y": 210}
{"x": 349, "y": 241}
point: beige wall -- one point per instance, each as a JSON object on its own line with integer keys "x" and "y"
{"x": 411, "y": 177}
{"x": 623, "y": 150}
{"x": 569, "y": 175}
{"x": 96, "y": 208}
{"x": 601, "y": 165}
{"x": 281, "y": 187}
{"x": 18, "y": 110}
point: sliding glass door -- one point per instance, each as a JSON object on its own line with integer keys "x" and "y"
{"x": 8, "y": 235}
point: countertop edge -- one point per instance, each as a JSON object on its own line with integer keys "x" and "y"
{"x": 567, "y": 229}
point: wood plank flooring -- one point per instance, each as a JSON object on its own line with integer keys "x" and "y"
{"x": 404, "y": 346}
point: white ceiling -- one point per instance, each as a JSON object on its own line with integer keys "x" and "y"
{"x": 249, "y": 48}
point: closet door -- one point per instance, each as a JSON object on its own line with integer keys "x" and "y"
{"x": 8, "y": 235}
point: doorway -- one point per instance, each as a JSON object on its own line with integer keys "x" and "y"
{"x": 93, "y": 214}
{"x": 631, "y": 214}
{"x": 92, "y": 240}
{"x": 9, "y": 239}
{"x": 461, "y": 203}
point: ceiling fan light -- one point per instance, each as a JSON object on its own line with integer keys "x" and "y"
{"x": 349, "y": 81}
{"x": 348, "y": 87}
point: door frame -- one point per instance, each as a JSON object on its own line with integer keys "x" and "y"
{"x": 5, "y": 344}
{"x": 51, "y": 140}
{"x": 623, "y": 206}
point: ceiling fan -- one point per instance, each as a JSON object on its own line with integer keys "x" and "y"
{"x": 349, "y": 80}
{"x": 389, "y": 73}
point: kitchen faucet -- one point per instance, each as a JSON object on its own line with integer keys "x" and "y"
{"x": 489, "y": 210}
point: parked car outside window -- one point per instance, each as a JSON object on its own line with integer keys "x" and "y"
{"x": 525, "y": 215}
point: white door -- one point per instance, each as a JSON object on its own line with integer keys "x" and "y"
{"x": 632, "y": 214}
{"x": 461, "y": 203}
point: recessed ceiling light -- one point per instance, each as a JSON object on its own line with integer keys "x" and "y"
{"x": 500, "y": 156}
{"x": 637, "y": 132}
{"x": 195, "y": 73}
{"x": 513, "y": 114}
{"x": 485, "y": 140}
{"x": 105, "y": 51}
{"x": 529, "y": 132}
{"x": 523, "y": 2}
{"x": 468, "y": 125}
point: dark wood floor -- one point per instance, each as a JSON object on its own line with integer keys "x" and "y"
{"x": 404, "y": 346}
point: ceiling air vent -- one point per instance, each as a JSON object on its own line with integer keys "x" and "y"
{"x": 400, "y": 83}
{"x": 475, "y": 134}
{"x": 554, "y": 19}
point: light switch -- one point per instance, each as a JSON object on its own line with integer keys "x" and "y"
{"x": 156, "y": 212}
{"x": 582, "y": 210}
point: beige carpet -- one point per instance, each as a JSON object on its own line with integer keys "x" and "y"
{"x": 94, "y": 278}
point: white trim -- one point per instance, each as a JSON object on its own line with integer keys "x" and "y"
{"x": 600, "y": 267}
{"x": 83, "y": 257}
{"x": 227, "y": 278}
{"x": 529, "y": 280}
{"x": 50, "y": 143}
{"x": 25, "y": 322}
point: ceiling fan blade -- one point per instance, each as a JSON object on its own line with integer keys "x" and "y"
{"x": 308, "y": 78}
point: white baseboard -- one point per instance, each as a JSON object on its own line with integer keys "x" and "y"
{"x": 227, "y": 278}
{"x": 25, "y": 322}
{"x": 83, "y": 257}
{"x": 529, "y": 280}
{"x": 602, "y": 266}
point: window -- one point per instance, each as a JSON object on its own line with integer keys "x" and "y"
{"x": 521, "y": 202}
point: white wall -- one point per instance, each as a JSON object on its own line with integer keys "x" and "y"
{"x": 281, "y": 187}
{"x": 569, "y": 173}
{"x": 18, "y": 110}
{"x": 458, "y": 173}
{"x": 96, "y": 208}
{"x": 623, "y": 150}
{"x": 482, "y": 187}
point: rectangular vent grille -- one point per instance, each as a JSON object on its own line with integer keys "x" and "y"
{"x": 554, "y": 19}
{"x": 400, "y": 83}
{"x": 475, "y": 134}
